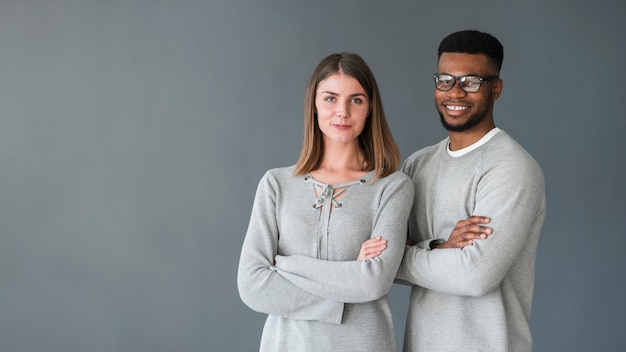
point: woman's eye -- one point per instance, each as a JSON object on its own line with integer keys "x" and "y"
{"x": 330, "y": 99}
{"x": 357, "y": 100}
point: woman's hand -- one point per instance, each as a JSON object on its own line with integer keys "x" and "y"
{"x": 372, "y": 248}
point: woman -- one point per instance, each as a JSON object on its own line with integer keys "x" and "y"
{"x": 300, "y": 261}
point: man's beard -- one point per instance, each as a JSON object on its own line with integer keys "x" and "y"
{"x": 474, "y": 120}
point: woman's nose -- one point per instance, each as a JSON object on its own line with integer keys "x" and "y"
{"x": 342, "y": 109}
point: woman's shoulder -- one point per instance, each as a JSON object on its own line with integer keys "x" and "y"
{"x": 280, "y": 173}
{"x": 285, "y": 170}
{"x": 397, "y": 185}
{"x": 397, "y": 177}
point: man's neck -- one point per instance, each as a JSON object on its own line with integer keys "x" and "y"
{"x": 460, "y": 140}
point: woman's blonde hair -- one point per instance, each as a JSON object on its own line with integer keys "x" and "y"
{"x": 379, "y": 149}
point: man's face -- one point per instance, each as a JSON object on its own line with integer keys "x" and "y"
{"x": 461, "y": 111}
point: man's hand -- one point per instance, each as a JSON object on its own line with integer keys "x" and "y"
{"x": 372, "y": 248}
{"x": 465, "y": 232}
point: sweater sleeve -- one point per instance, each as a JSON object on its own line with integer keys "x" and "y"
{"x": 513, "y": 197}
{"x": 358, "y": 281}
{"x": 260, "y": 286}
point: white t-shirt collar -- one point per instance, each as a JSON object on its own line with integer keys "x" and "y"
{"x": 461, "y": 152}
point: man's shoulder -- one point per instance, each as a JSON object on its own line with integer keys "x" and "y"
{"x": 505, "y": 147}
{"x": 427, "y": 151}
{"x": 420, "y": 158}
{"x": 505, "y": 154}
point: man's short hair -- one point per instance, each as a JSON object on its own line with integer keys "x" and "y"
{"x": 473, "y": 42}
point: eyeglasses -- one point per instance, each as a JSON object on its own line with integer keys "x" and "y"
{"x": 470, "y": 84}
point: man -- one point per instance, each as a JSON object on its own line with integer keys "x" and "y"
{"x": 477, "y": 296}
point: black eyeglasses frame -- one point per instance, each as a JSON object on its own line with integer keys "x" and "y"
{"x": 461, "y": 80}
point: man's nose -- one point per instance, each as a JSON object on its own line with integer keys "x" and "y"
{"x": 456, "y": 90}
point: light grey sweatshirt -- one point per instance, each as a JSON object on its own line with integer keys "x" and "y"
{"x": 478, "y": 298}
{"x": 317, "y": 296}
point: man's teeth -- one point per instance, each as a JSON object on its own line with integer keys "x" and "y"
{"x": 456, "y": 107}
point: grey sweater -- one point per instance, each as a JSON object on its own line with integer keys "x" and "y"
{"x": 478, "y": 298}
{"x": 317, "y": 296}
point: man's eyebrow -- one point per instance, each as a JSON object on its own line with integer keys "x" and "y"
{"x": 467, "y": 74}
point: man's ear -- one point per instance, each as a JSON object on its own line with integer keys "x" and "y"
{"x": 497, "y": 89}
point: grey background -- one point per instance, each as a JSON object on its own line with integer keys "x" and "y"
{"x": 133, "y": 134}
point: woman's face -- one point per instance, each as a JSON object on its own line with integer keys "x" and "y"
{"x": 342, "y": 108}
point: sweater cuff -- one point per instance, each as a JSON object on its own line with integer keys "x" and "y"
{"x": 426, "y": 244}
